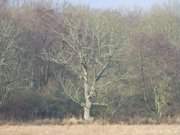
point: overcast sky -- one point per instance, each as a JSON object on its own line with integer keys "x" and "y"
{"x": 103, "y": 4}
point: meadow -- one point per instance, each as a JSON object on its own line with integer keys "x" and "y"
{"x": 92, "y": 129}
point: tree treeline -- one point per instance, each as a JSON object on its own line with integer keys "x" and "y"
{"x": 63, "y": 61}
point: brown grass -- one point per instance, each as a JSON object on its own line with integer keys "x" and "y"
{"x": 91, "y": 130}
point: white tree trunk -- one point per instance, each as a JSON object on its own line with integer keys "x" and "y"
{"x": 87, "y": 109}
{"x": 88, "y": 104}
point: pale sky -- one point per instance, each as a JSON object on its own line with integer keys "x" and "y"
{"x": 114, "y": 4}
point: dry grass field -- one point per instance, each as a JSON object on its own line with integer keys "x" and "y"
{"x": 91, "y": 130}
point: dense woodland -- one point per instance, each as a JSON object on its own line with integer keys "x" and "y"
{"x": 61, "y": 61}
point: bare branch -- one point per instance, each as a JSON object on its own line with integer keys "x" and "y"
{"x": 99, "y": 75}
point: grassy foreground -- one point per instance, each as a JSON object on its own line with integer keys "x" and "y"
{"x": 90, "y": 130}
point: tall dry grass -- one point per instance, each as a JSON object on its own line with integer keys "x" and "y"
{"x": 91, "y": 129}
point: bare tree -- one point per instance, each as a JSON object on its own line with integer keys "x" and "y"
{"x": 8, "y": 49}
{"x": 88, "y": 54}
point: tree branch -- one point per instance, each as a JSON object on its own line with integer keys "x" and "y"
{"x": 99, "y": 75}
